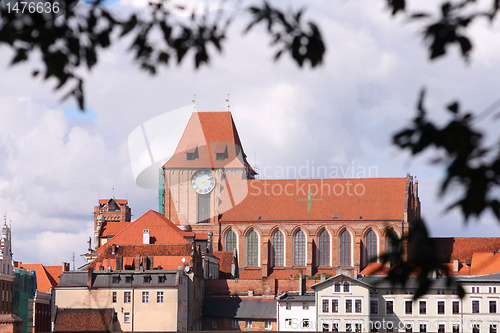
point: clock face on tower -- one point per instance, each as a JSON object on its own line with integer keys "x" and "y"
{"x": 203, "y": 182}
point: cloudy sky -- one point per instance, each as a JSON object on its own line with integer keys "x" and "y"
{"x": 55, "y": 164}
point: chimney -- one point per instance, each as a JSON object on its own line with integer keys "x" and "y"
{"x": 145, "y": 236}
{"x": 209, "y": 242}
{"x": 65, "y": 266}
{"x": 301, "y": 289}
{"x": 456, "y": 265}
{"x": 137, "y": 262}
{"x": 89, "y": 277}
{"x": 323, "y": 277}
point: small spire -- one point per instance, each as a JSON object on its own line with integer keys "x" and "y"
{"x": 194, "y": 102}
{"x": 113, "y": 191}
{"x": 5, "y": 218}
{"x": 227, "y": 101}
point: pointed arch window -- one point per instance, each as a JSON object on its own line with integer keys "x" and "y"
{"x": 299, "y": 248}
{"x": 324, "y": 248}
{"x": 277, "y": 249}
{"x": 345, "y": 248}
{"x": 230, "y": 240}
{"x": 390, "y": 238}
{"x": 370, "y": 245}
{"x": 252, "y": 248}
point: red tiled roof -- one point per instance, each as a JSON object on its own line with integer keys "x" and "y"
{"x": 462, "y": 248}
{"x": 209, "y": 132}
{"x": 485, "y": 263}
{"x": 54, "y": 271}
{"x": 119, "y": 201}
{"x": 165, "y": 256}
{"x": 83, "y": 320}
{"x": 162, "y": 231}
{"x": 350, "y": 199}
{"x": 113, "y": 228}
{"x": 374, "y": 268}
{"x": 226, "y": 260}
{"x": 44, "y": 280}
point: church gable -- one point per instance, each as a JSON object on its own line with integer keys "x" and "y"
{"x": 210, "y": 140}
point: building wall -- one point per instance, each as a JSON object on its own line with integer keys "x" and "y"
{"x": 151, "y": 316}
{"x": 294, "y": 316}
{"x": 228, "y": 324}
{"x": 342, "y": 317}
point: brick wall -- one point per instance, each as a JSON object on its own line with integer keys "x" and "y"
{"x": 265, "y": 286}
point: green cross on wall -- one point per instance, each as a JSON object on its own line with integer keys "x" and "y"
{"x": 309, "y": 199}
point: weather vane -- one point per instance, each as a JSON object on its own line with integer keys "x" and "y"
{"x": 227, "y": 101}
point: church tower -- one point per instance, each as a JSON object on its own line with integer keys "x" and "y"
{"x": 6, "y": 250}
{"x": 207, "y": 174}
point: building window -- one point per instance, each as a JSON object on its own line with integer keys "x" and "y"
{"x": 346, "y": 287}
{"x": 234, "y": 323}
{"x": 116, "y": 279}
{"x": 126, "y": 317}
{"x": 299, "y": 248}
{"x": 248, "y": 324}
{"x": 373, "y": 307}
{"x": 159, "y": 297}
{"x": 440, "y": 306}
{"x": 408, "y": 327}
{"x": 269, "y": 325}
{"x": 204, "y": 208}
{"x": 114, "y": 296}
{"x": 493, "y": 306}
{"x": 357, "y": 306}
{"x": 423, "y": 327}
{"x": 324, "y": 248}
{"x": 391, "y": 239}
{"x": 357, "y": 327}
{"x": 348, "y": 327}
{"x": 475, "y": 328}
{"x": 230, "y": 240}
{"x": 305, "y": 306}
{"x": 326, "y": 327}
{"x": 456, "y": 307}
{"x": 288, "y": 322}
{"x": 325, "y": 306}
{"x": 456, "y": 328}
{"x": 128, "y": 279}
{"x": 288, "y": 306}
{"x": 345, "y": 248}
{"x": 408, "y": 307}
{"x": 145, "y": 297}
{"x": 252, "y": 240}
{"x": 441, "y": 328}
{"x": 215, "y": 323}
{"x": 493, "y": 328}
{"x": 370, "y": 246}
{"x": 277, "y": 245}
{"x": 337, "y": 287}
{"x": 389, "y": 307}
{"x": 423, "y": 307}
{"x": 335, "y": 327}
{"x": 475, "y": 306}
{"x": 162, "y": 279}
{"x": 126, "y": 297}
{"x": 335, "y": 305}
{"x": 348, "y": 305}
{"x": 305, "y": 323}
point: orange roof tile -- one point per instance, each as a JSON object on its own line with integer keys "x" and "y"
{"x": 54, "y": 271}
{"x": 208, "y": 133}
{"x": 162, "y": 231}
{"x": 119, "y": 201}
{"x": 462, "y": 248}
{"x": 44, "y": 281}
{"x": 485, "y": 263}
{"x": 113, "y": 228}
{"x": 349, "y": 199}
{"x": 165, "y": 256}
{"x": 374, "y": 268}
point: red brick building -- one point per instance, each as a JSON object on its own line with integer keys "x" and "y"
{"x": 278, "y": 227}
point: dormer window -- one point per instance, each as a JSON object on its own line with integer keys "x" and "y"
{"x": 192, "y": 154}
{"x": 221, "y": 153}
